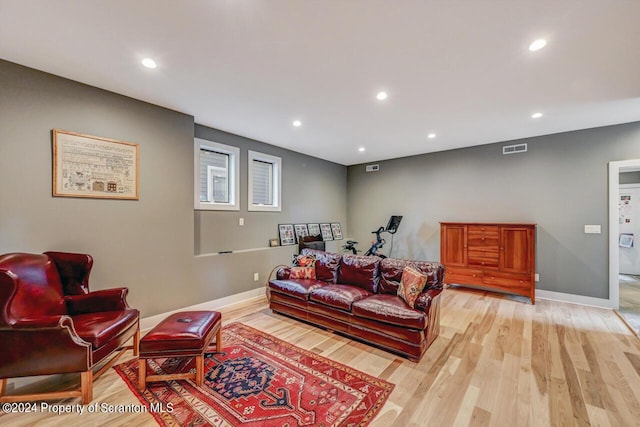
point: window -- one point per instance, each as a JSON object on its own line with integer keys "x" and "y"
{"x": 216, "y": 176}
{"x": 265, "y": 177}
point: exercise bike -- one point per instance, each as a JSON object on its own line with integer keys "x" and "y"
{"x": 350, "y": 246}
{"x": 376, "y": 245}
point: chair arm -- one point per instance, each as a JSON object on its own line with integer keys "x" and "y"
{"x": 41, "y": 323}
{"x": 423, "y": 302}
{"x": 97, "y": 301}
{"x": 41, "y": 346}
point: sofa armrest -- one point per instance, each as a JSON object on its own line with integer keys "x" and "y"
{"x": 423, "y": 303}
{"x": 97, "y": 301}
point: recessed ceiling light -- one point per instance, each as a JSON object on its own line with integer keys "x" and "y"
{"x": 431, "y": 135}
{"x": 536, "y": 115}
{"x": 297, "y": 123}
{"x": 382, "y": 96}
{"x": 537, "y": 45}
{"x": 361, "y": 149}
{"x": 149, "y": 63}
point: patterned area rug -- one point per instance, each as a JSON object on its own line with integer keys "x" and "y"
{"x": 260, "y": 380}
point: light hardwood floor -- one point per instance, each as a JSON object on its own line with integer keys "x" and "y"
{"x": 497, "y": 362}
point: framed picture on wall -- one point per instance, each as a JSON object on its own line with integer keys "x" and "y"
{"x": 301, "y": 231}
{"x": 313, "y": 229}
{"x": 336, "y": 229}
{"x": 325, "y": 229}
{"x": 287, "y": 236}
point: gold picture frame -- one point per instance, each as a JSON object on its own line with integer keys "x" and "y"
{"x": 95, "y": 167}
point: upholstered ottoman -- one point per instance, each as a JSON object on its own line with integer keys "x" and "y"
{"x": 184, "y": 334}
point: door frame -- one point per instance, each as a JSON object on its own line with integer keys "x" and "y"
{"x": 615, "y": 168}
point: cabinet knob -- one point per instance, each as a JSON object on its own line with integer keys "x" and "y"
{"x": 521, "y": 282}
{"x": 482, "y": 228}
{"x": 474, "y": 275}
{"x": 483, "y": 238}
{"x": 492, "y": 277}
{"x": 483, "y": 263}
{"x": 501, "y": 248}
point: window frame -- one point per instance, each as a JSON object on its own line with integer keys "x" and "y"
{"x": 233, "y": 174}
{"x": 276, "y": 163}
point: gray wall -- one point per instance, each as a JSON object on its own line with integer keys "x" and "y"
{"x": 560, "y": 184}
{"x": 313, "y": 190}
{"x": 146, "y": 245}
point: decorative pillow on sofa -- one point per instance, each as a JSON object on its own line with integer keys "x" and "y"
{"x": 411, "y": 284}
{"x": 300, "y": 260}
{"x": 304, "y": 267}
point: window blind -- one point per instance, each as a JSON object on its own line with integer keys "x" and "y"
{"x": 262, "y": 183}
{"x": 214, "y": 176}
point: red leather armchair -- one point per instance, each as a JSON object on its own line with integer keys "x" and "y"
{"x": 51, "y": 324}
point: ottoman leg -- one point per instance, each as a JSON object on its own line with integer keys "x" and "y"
{"x": 199, "y": 370}
{"x": 219, "y": 341}
{"x": 142, "y": 373}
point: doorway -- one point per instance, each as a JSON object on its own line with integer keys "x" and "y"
{"x": 624, "y": 241}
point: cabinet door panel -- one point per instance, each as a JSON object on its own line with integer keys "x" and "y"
{"x": 453, "y": 248}
{"x": 515, "y": 249}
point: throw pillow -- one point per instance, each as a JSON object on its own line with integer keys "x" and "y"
{"x": 303, "y": 273}
{"x": 411, "y": 285}
{"x": 304, "y": 267}
{"x": 303, "y": 261}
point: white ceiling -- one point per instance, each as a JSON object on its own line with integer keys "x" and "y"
{"x": 461, "y": 69}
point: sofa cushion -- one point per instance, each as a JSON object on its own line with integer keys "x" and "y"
{"x": 411, "y": 284}
{"x": 298, "y": 288}
{"x": 327, "y": 264}
{"x": 391, "y": 273}
{"x": 100, "y": 328}
{"x": 361, "y": 271}
{"x": 389, "y": 309}
{"x": 338, "y": 296}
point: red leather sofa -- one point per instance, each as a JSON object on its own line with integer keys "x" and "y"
{"x": 51, "y": 324}
{"x": 357, "y": 297}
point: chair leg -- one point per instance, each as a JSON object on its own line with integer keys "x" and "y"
{"x": 3, "y": 386}
{"x": 136, "y": 343}
{"x": 142, "y": 373}
{"x": 86, "y": 386}
{"x": 219, "y": 341}
{"x": 199, "y": 370}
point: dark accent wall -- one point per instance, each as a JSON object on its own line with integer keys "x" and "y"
{"x": 146, "y": 245}
{"x": 560, "y": 183}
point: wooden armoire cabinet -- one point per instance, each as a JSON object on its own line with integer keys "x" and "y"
{"x": 491, "y": 255}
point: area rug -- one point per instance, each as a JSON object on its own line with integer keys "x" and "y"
{"x": 260, "y": 380}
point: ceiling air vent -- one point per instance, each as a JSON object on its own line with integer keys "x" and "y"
{"x": 516, "y": 148}
{"x": 372, "y": 168}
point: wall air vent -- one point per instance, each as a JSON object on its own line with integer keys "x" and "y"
{"x": 516, "y": 148}
{"x": 372, "y": 168}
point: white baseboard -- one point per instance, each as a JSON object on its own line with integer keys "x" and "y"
{"x": 226, "y": 302}
{"x": 573, "y": 299}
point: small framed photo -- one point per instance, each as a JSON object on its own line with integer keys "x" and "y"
{"x": 287, "y": 236}
{"x": 325, "y": 229}
{"x": 313, "y": 229}
{"x": 301, "y": 231}
{"x": 626, "y": 240}
{"x": 336, "y": 229}
{"x": 273, "y": 243}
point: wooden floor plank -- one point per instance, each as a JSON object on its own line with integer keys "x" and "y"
{"x": 497, "y": 362}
